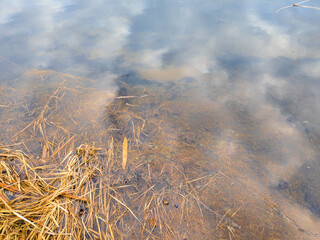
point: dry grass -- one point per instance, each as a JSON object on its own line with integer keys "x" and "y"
{"x": 35, "y": 206}
{"x": 299, "y": 5}
{"x": 147, "y": 168}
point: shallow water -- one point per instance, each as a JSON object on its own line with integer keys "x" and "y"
{"x": 230, "y": 91}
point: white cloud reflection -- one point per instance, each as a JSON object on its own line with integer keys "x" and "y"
{"x": 60, "y": 34}
{"x": 45, "y": 33}
{"x": 8, "y": 9}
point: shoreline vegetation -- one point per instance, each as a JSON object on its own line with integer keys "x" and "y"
{"x": 147, "y": 167}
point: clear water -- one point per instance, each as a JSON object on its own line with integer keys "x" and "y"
{"x": 244, "y": 77}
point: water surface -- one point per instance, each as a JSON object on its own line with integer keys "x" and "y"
{"x": 239, "y": 81}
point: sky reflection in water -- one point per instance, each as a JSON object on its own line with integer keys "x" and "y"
{"x": 207, "y": 37}
{"x": 270, "y": 59}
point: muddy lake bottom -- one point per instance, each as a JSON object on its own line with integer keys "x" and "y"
{"x": 154, "y": 161}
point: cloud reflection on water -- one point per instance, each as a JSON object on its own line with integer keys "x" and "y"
{"x": 270, "y": 60}
{"x": 61, "y": 34}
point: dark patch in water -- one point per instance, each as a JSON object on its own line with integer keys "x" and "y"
{"x": 305, "y": 186}
{"x": 283, "y": 185}
{"x": 290, "y": 119}
{"x": 187, "y": 80}
{"x": 133, "y": 79}
{"x": 312, "y": 199}
{"x": 122, "y": 91}
{"x": 307, "y": 131}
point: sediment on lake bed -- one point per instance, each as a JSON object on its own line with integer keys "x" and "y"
{"x": 139, "y": 165}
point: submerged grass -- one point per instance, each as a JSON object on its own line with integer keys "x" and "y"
{"x": 151, "y": 166}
